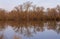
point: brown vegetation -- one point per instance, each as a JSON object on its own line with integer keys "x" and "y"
{"x": 27, "y": 12}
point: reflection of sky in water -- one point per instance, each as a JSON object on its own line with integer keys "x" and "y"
{"x": 47, "y": 34}
{"x": 10, "y": 31}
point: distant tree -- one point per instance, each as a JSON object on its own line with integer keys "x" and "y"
{"x": 58, "y": 8}
{"x": 2, "y": 14}
{"x": 27, "y": 5}
{"x": 52, "y": 13}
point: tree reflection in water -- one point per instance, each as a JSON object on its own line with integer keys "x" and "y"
{"x": 9, "y": 33}
{"x": 32, "y": 27}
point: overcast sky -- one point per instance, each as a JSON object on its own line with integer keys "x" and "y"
{"x": 10, "y": 4}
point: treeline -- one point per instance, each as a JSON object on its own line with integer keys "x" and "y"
{"x": 27, "y": 11}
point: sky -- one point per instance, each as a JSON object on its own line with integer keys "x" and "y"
{"x": 10, "y": 4}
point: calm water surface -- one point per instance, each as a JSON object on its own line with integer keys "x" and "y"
{"x": 30, "y": 30}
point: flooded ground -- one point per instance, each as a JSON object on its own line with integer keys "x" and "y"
{"x": 30, "y": 30}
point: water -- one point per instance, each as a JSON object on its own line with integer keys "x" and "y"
{"x": 30, "y": 30}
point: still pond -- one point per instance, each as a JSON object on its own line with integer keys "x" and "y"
{"x": 30, "y": 30}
